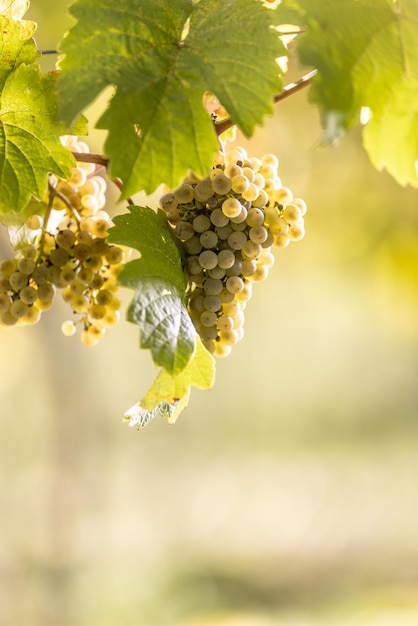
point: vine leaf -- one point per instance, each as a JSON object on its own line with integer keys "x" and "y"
{"x": 160, "y": 285}
{"x": 15, "y": 9}
{"x": 30, "y": 147}
{"x": 367, "y": 56}
{"x": 162, "y": 56}
{"x": 169, "y": 394}
{"x": 16, "y": 45}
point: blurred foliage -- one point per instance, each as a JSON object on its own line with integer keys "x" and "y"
{"x": 286, "y": 495}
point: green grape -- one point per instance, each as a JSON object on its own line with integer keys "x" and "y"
{"x": 270, "y": 159}
{"x": 249, "y": 266}
{"x": 208, "y": 318}
{"x": 94, "y": 262}
{"x": 7, "y": 319}
{"x": 114, "y": 255}
{"x": 222, "y": 184}
{"x": 251, "y": 250}
{"x": 224, "y": 323}
{"x": 18, "y": 309}
{"x": 104, "y": 296}
{"x": 212, "y": 303}
{"x": 258, "y": 234}
{"x": 281, "y": 241}
{"x": 18, "y": 280}
{"x": 226, "y": 259}
{"x": 232, "y": 170}
{"x": 208, "y": 259}
{"x": 59, "y": 257}
{"x": 231, "y": 207}
{"x": 218, "y": 218}
{"x": 28, "y": 294}
{"x": 209, "y": 239}
{"x": 26, "y": 266}
{"x": 255, "y": 217}
{"x": 46, "y": 292}
{"x": 223, "y": 232}
{"x": 7, "y": 267}
{"x": 208, "y": 333}
{"x": 251, "y": 193}
{"x": 82, "y": 251}
{"x": 184, "y": 194}
{"x": 65, "y": 238}
{"x": 85, "y": 275}
{"x": 34, "y": 222}
{"x": 184, "y": 231}
{"x": 261, "y": 200}
{"x": 228, "y": 337}
{"x": 68, "y": 328}
{"x": 193, "y": 245}
{"x": 222, "y": 350}
{"x": 29, "y": 251}
{"x": 234, "y": 284}
{"x": 5, "y": 302}
{"x": 237, "y": 240}
{"x": 235, "y": 269}
{"x": 216, "y": 272}
{"x": 193, "y": 265}
{"x": 292, "y": 214}
{"x": 92, "y": 335}
{"x": 296, "y": 232}
{"x": 67, "y": 275}
{"x": 79, "y": 303}
{"x": 240, "y": 218}
{"x": 32, "y": 316}
{"x": 204, "y": 190}
{"x": 110, "y": 319}
{"x": 201, "y": 223}
{"x": 97, "y": 311}
{"x": 40, "y": 275}
{"x": 213, "y": 286}
{"x": 240, "y": 183}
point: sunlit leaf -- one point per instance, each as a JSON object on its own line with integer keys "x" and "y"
{"x": 158, "y": 126}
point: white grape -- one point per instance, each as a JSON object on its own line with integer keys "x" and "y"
{"x": 231, "y": 207}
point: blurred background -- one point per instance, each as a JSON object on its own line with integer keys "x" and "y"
{"x": 285, "y": 496}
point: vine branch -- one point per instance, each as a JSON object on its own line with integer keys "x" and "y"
{"x": 91, "y": 157}
{"x": 288, "y": 90}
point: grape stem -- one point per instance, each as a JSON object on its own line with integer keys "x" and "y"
{"x": 99, "y": 159}
{"x": 288, "y": 90}
{"x": 54, "y": 192}
{"x": 91, "y": 157}
{"x": 45, "y": 224}
{"x": 119, "y": 185}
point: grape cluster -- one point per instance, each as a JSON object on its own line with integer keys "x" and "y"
{"x": 66, "y": 249}
{"x": 228, "y": 223}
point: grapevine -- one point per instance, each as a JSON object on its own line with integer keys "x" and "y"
{"x": 184, "y": 77}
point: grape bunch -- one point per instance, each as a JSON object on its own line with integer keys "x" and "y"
{"x": 228, "y": 223}
{"x": 65, "y": 248}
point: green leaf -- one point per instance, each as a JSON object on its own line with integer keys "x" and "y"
{"x": 169, "y": 394}
{"x": 160, "y": 285}
{"x": 158, "y": 127}
{"x": 366, "y": 54}
{"x": 30, "y": 147}
{"x": 16, "y": 46}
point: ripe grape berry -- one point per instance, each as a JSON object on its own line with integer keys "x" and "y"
{"x": 228, "y": 223}
{"x": 67, "y": 251}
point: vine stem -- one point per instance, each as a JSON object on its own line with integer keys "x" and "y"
{"x": 91, "y": 157}
{"x": 288, "y": 90}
